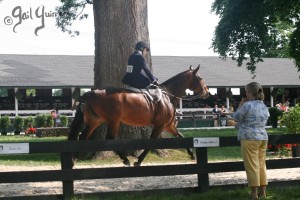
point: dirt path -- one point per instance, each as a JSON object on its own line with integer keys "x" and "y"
{"x": 123, "y": 184}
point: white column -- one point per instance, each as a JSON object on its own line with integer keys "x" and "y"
{"x": 180, "y": 107}
{"x": 16, "y": 103}
{"x": 227, "y": 99}
{"x": 73, "y": 101}
{"x": 271, "y": 97}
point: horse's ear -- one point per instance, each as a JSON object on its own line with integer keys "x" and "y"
{"x": 196, "y": 70}
{"x": 191, "y": 68}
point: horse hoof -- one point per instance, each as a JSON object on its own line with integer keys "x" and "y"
{"x": 127, "y": 163}
{"x": 73, "y": 162}
{"x": 137, "y": 164}
{"x": 193, "y": 157}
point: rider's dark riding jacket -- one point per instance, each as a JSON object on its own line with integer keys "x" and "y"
{"x": 138, "y": 74}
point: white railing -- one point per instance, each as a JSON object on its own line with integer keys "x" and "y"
{"x": 13, "y": 113}
{"x": 71, "y": 113}
{"x": 205, "y": 111}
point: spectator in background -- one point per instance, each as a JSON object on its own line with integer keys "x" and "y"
{"x": 231, "y": 108}
{"x": 216, "y": 117}
{"x": 252, "y": 116}
{"x": 287, "y": 103}
{"x": 216, "y": 109}
{"x": 57, "y": 119}
{"x": 53, "y": 114}
{"x": 223, "y": 116}
{"x": 279, "y": 106}
{"x": 30, "y": 130}
{"x": 224, "y": 110}
{"x": 284, "y": 108}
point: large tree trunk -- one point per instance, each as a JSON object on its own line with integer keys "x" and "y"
{"x": 119, "y": 25}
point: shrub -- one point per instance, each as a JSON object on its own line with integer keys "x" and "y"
{"x": 18, "y": 124}
{"x": 5, "y": 123}
{"x": 49, "y": 120}
{"x": 291, "y": 119}
{"x": 28, "y": 120}
{"x": 40, "y": 120}
{"x": 63, "y": 120}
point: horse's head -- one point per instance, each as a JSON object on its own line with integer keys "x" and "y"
{"x": 197, "y": 84}
{"x": 188, "y": 79}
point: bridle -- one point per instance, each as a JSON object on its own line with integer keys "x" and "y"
{"x": 184, "y": 97}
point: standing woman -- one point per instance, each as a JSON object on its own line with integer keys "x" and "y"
{"x": 251, "y": 117}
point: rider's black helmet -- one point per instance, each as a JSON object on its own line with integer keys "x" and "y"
{"x": 141, "y": 45}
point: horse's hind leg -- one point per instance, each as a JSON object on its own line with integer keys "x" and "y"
{"x": 155, "y": 134}
{"x": 112, "y": 131}
{"x": 174, "y": 131}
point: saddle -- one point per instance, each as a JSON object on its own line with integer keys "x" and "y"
{"x": 153, "y": 94}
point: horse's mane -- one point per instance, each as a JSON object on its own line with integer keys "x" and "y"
{"x": 171, "y": 80}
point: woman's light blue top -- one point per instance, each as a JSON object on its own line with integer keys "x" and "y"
{"x": 251, "y": 118}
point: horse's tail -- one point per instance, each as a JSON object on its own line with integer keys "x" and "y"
{"x": 78, "y": 122}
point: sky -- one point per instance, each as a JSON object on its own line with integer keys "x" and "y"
{"x": 176, "y": 27}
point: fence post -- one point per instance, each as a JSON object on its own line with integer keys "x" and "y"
{"x": 68, "y": 186}
{"x": 194, "y": 120}
{"x": 203, "y": 180}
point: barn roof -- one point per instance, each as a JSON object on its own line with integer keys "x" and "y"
{"x": 78, "y": 71}
{"x": 46, "y": 71}
{"x": 217, "y": 72}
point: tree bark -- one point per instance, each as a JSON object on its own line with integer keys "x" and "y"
{"x": 119, "y": 25}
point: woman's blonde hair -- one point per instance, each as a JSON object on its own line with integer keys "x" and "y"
{"x": 256, "y": 90}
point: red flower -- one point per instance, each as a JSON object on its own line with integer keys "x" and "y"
{"x": 281, "y": 149}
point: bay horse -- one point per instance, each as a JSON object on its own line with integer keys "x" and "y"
{"x": 134, "y": 109}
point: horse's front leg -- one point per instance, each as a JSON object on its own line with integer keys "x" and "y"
{"x": 174, "y": 131}
{"x": 189, "y": 150}
{"x": 141, "y": 158}
{"x": 112, "y": 130}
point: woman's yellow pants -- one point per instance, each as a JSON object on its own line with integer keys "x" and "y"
{"x": 254, "y": 156}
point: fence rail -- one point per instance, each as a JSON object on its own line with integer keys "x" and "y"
{"x": 202, "y": 168}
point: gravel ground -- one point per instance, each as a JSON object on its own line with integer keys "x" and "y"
{"x": 123, "y": 184}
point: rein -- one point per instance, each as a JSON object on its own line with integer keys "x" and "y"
{"x": 191, "y": 98}
{"x": 169, "y": 93}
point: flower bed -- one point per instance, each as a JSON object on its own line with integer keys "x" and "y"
{"x": 52, "y": 131}
{"x": 281, "y": 150}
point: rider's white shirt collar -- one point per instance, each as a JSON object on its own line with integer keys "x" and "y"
{"x": 140, "y": 52}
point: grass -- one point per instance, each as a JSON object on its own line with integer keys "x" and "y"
{"x": 177, "y": 155}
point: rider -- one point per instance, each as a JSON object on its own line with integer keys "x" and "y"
{"x": 138, "y": 74}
